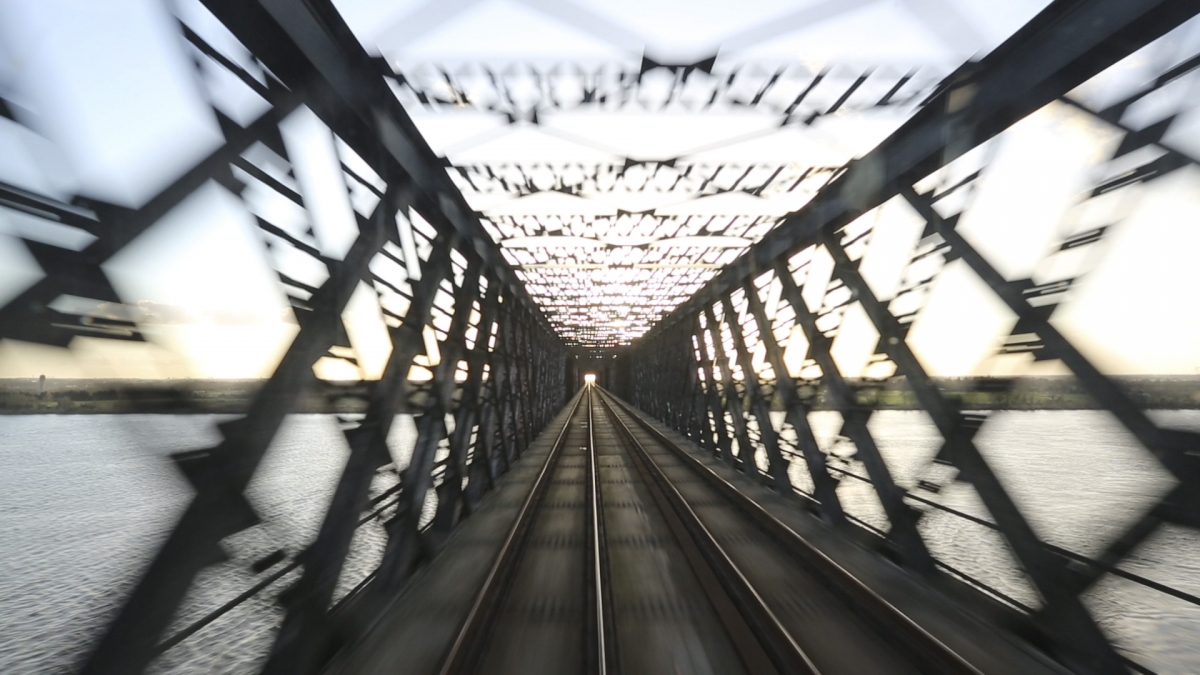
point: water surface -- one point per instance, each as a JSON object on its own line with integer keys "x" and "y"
{"x": 86, "y": 500}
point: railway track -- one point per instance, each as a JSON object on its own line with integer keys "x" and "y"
{"x": 630, "y": 556}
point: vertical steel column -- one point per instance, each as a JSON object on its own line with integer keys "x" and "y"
{"x": 506, "y": 388}
{"x": 537, "y": 391}
{"x": 475, "y": 408}
{"x": 668, "y": 381}
{"x": 651, "y": 378}
{"x": 526, "y": 364}
{"x": 637, "y": 386}
{"x": 516, "y": 361}
{"x": 723, "y": 442}
{"x": 682, "y": 377}
{"x": 497, "y": 444}
{"x": 650, "y": 391}
{"x": 684, "y": 381}
{"x": 516, "y": 386}
{"x": 701, "y": 429}
{"x": 454, "y": 349}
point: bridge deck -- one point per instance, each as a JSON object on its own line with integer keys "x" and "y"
{"x": 687, "y": 580}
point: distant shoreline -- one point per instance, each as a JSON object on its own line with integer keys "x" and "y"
{"x": 183, "y": 397}
{"x": 1058, "y": 392}
{"x": 176, "y": 397}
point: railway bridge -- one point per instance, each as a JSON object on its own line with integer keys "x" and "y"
{"x": 684, "y": 336}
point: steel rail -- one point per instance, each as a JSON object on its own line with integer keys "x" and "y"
{"x": 908, "y": 636}
{"x": 599, "y": 549}
{"x": 468, "y": 645}
{"x": 760, "y": 639}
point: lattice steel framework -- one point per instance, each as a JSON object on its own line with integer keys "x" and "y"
{"x": 801, "y": 282}
{"x": 605, "y": 274}
{"x": 483, "y": 368}
{"x": 471, "y": 355}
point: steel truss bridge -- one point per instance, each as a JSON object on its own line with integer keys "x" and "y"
{"x": 506, "y": 539}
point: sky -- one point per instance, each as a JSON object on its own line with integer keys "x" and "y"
{"x": 202, "y": 283}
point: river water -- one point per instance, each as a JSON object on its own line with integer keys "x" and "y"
{"x": 86, "y": 500}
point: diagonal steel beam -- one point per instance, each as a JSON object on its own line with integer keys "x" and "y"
{"x": 902, "y": 517}
{"x": 306, "y": 630}
{"x": 1063, "y": 46}
{"x": 824, "y": 484}
{"x": 777, "y": 465}
{"x": 220, "y": 475}
{"x": 1176, "y": 450}
{"x": 1078, "y": 639}
{"x": 308, "y": 45}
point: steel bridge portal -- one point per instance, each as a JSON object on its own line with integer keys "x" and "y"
{"x": 599, "y": 336}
